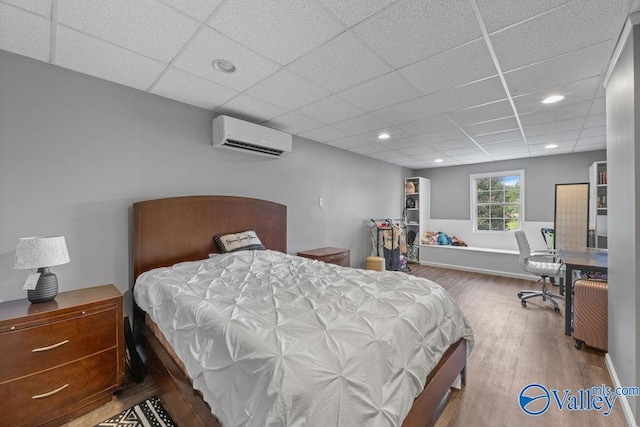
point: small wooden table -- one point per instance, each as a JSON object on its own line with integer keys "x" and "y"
{"x": 339, "y": 256}
{"x": 589, "y": 259}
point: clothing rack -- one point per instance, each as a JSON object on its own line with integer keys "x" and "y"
{"x": 389, "y": 240}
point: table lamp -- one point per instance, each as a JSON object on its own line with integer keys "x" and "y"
{"x": 42, "y": 253}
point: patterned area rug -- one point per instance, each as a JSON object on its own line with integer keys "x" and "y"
{"x": 149, "y": 413}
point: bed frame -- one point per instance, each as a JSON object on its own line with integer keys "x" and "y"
{"x": 168, "y": 231}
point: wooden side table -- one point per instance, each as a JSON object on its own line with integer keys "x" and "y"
{"x": 64, "y": 357}
{"x": 338, "y": 256}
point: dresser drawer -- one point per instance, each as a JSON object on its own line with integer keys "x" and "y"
{"x": 339, "y": 256}
{"x": 28, "y": 398}
{"x": 37, "y": 348}
{"x": 339, "y": 259}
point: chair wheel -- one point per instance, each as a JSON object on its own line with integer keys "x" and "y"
{"x": 524, "y": 303}
{"x": 520, "y": 294}
{"x": 556, "y": 309}
{"x": 578, "y": 344}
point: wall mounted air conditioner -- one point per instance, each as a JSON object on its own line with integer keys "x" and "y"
{"x": 238, "y": 135}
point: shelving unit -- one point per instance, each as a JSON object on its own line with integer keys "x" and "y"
{"x": 416, "y": 213}
{"x": 598, "y": 203}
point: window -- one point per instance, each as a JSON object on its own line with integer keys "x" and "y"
{"x": 497, "y": 201}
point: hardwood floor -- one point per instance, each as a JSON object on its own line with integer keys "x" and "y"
{"x": 514, "y": 346}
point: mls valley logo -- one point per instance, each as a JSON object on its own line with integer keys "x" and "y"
{"x": 535, "y": 399}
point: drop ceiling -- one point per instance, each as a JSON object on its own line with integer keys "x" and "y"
{"x": 457, "y": 80}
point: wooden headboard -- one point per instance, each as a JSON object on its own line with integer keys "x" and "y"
{"x": 168, "y": 231}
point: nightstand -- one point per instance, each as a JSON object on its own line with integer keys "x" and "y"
{"x": 60, "y": 358}
{"x": 339, "y": 256}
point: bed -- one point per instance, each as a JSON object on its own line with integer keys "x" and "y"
{"x": 172, "y": 245}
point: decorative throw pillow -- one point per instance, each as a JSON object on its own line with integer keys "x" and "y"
{"x": 244, "y": 241}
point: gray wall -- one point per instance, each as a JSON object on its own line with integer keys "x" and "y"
{"x": 76, "y": 152}
{"x": 450, "y": 187}
{"x": 623, "y": 167}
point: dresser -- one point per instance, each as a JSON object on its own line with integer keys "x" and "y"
{"x": 61, "y": 358}
{"x": 339, "y": 256}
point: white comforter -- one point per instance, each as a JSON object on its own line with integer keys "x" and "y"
{"x": 272, "y": 339}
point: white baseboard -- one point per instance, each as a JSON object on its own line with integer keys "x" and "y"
{"x": 479, "y": 270}
{"x": 626, "y": 409}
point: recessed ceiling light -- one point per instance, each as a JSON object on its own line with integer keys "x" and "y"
{"x": 438, "y": 161}
{"x": 223, "y": 66}
{"x": 553, "y": 98}
{"x": 549, "y": 146}
{"x": 384, "y": 136}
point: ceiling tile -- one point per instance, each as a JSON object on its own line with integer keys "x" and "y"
{"x": 393, "y": 132}
{"x": 593, "y": 132}
{"x": 145, "y": 26}
{"x": 599, "y": 106}
{"x": 456, "y": 144}
{"x": 105, "y": 60}
{"x": 350, "y": 142}
{"x": 478, "y": 157}
{"x": 360, "y": 124}
{"x": 199, "y": 9}
{"x": 509, "y": 155}
{"x": 41, "y": 7}
{"x": 573, "y": 92}
{"x": 556, "y": 113}
{"x": 293, "y": 123}
{"x": 24, "y": 33}
{"x": 190, "y": 89}
{"x": 429, "y": 157}
{"x": 564, "y": 143}
{"x": 209, "y": 45}
{"x": 324, "y": 134}
{"x": 287, "y": 90}
{"x": 427, "y": 124}
{"x": 592, "y": 141}
{"x": 340, "y": 63}
{"x": 577, "y": 65}
{"x": 468, "y": 150}
{"x": 499, "y": 14}
{"x": 493, "y": 138}
{"x": 581, "y": 148}
{"x": 410, "y": 30}
{"x": 380, "y": 92}
{"x": 369, "y": 149}
{"x": 492, "y": 126}
{"x": 411, "y": 144}
{"x": 539, "y": 152}
{"x": 596, "y": 120}
{"x": 477, "y": 93}
{"x": 482, "y": 113}
{"x": 389, "y": 155}
{"x": 577, "y": 25}
{"x": 354, "y": 11}
{"x": 330, "y": 110}
{"x": 553, "y": 137}
{"x": 248, "y": 108}
{"x": 302, "y": 25}
{"x": 513, "y": 145}
{"x": 442, "y": 135}
{"x": 554, "y": 127}
{"x": 452, "y": 68}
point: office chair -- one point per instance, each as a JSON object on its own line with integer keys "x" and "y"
{"x": 530, "y": 262}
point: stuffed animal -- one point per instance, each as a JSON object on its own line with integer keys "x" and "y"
{"x": 443, "y": 239}
{"x": 458, "y": 241}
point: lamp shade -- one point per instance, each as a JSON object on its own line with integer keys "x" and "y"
{"x": 37, "y": 252}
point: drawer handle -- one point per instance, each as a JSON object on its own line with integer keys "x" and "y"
{"x": 49, "y": 347}
{"x": 51, "y": 393}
